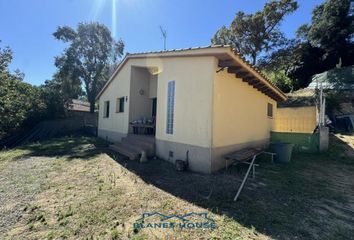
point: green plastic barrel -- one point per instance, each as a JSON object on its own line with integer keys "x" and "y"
{"x": 283, "y": 151}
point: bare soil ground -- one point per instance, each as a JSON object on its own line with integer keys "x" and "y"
{"x": 74, "y": 188}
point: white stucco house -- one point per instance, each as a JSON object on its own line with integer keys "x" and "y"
{"x": 206, "y": 101}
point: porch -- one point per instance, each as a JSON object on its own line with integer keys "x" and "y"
{"x": 143, "y": 100}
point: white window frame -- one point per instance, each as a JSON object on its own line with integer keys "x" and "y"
{"x": 170, "y": 108}
{"x": 118, "y": 109}
{"x": 106, "y": 106}
{"x": 270, "y": 113}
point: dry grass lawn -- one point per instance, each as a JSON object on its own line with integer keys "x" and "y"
{"x": 73, "y": 188}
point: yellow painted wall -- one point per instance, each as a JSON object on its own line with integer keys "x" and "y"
{"x": 120, "y": 87}
{"x": 193, "y": 98}
{"x": 211, "y": 109}
{"x": 295, "y": 119}
{"x": 239, "y": 112}
{"x": 153, "y": 86}
{"x": 140, "y": 102}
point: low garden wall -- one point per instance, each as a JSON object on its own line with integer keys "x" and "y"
{"x": 303, "y": 142}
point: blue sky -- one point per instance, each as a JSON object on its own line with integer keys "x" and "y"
{"x": 27, "y": 25}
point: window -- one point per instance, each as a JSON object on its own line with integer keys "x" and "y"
{"x": 106, "y": 109}
{"x": 120, "y": 105}
{"x": 270, "y": 110}
{"x": 170, "y": 106}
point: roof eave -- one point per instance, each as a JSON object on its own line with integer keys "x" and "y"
{"x": 257, "y": 73}
{"x": 200, "y": 51}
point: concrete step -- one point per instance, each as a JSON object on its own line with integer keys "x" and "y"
{"x": 131, "y": 154}
{"x": 132, "y": 146}
{"x": 139, "y": 142}
{"x": 138, "y": 147}
{"x": 142, "y": 138}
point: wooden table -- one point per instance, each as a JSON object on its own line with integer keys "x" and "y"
{"x": 143, "y": 129}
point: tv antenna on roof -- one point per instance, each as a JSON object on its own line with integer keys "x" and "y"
{"x": 164, "y": 35}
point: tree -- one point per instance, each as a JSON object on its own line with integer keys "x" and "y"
{"x": 332, "y": 29}
{"x": 292, "y": 66}
{"x": 307, "y": 62}
{"x": 54, "y": 97}
{"x": 21, "y": 104}
{"x": 5, "y": 60}
{"x": 256, "y": 34}
{"x": 323, "y": 43}
{"x": 91, "y": 53}
{"x": 276, "y": 66}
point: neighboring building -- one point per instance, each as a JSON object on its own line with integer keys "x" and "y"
{"x": 342, "y": 94}
{"x": 298, "y": 121}
{"x": 299, "y": 114}
{"x": 329, "y": 80}
{"x": 81, "y": 110}
{"x": 205, "y": 101}
{"x": 76, "y": 105}
{"x": 301, "y": 120}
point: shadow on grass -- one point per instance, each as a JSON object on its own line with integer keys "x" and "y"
{"x": 346, "y": 152}
{"x": 281, "y": 202}
{"x": 71, "y": 147}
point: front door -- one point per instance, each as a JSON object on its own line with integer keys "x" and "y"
{"x": 153, "y": 113}
{"x": 154, "y": 107}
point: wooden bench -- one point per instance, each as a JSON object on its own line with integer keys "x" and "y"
{"x": 244, "y": 155}
{"x": 241, "y": 156}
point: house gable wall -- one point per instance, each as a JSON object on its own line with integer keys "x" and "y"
{"x": 239, "y": 117}
{"x": 193, "y": 78}
{"x": 214, "y": 113}
{"x": 116, "y": 125}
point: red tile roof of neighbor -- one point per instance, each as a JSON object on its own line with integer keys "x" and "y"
{"x": 277, "y": 94}
{"x": 78, "y": 105}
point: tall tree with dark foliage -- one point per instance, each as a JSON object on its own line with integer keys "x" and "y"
{"x": 325, "y": 42}
{"x": 257, "y": 34}
{"x": 21, "y": 104}
{"x": 89, "y": 57}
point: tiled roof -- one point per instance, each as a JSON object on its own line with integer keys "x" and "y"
{"x": 300, "y": 101}
{"x": 78, "y": 105}
{"x": 331, "y": 78}
{"x": 243, "y": 59}
{"x": 206, "y": 47}
{"x": 178, "y": 50}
